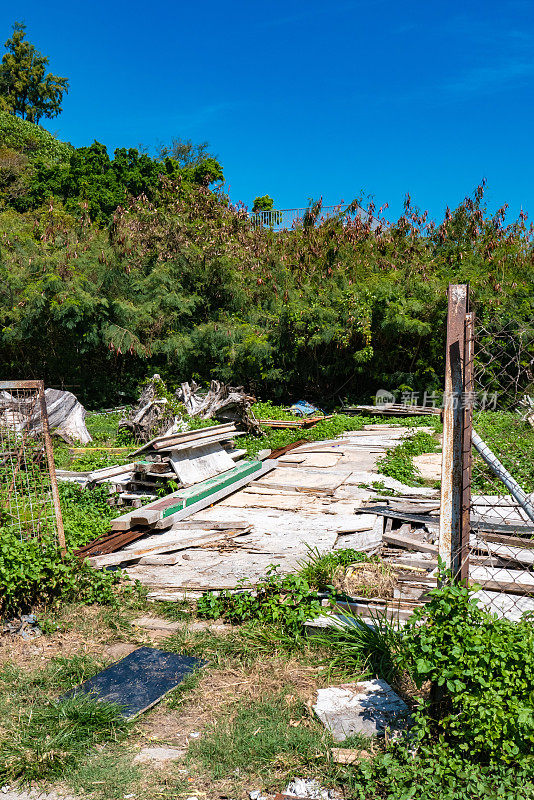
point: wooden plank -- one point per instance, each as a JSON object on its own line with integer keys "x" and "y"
{"x": 409, "y": 543}
{"x": 193, "y": 466}
{"x": 179, "y": 500}
{"x": 218, "y": 437}
{"x": 184, "y": 543}
{"x": 200, "y": 505}
{"x": 212, "y": 428}
{"x": 477, "y": 525}
{"x": 110, "y": 472}
{"x": 195, "y": 436}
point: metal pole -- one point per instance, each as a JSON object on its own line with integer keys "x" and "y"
{"x": 502, "y": 473}
{"x": 451, "y": 540}
{"x": 51, "y": 468}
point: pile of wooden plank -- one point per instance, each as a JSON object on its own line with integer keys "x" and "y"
{"x": 165, "y": 463}
{"x": 305, "y": 422}
{"x": 167, "y": 513}
{"x": 501, "y": 552}
{"x": 393, "y": 410}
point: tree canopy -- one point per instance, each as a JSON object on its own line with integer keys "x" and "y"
{"x": 112, "y": 267}
{"x": 26, "y": 89}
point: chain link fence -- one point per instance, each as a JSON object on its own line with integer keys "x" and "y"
{"x": 501, "y": 538}
{"x": 28, "y": 489}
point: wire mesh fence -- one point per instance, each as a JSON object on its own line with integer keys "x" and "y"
{"x": 28, "y": 488}
{"x": 501, "y": 541}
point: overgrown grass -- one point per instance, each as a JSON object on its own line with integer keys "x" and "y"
{"x": 41, "y": 737}
{"x": 512, "y": 440}
{"x": 328, "y": 429}
{"x": 319, "y": 569}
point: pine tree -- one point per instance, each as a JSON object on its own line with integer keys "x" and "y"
{"x": 26, "y": 90}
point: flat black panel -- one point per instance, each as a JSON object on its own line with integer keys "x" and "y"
{"x": 139, "y": 680}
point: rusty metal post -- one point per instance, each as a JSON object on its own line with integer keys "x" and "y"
{"x": 51, "y": 468}
{"x": 454, "y": 513}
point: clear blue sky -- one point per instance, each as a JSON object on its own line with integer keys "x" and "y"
{"x": 307, "y": 98}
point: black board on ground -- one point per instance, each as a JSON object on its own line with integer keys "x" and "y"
{"x": 138, "y": 681}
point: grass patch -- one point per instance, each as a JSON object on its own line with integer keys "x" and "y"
{"x": 274, "y": 739}
{"x": 363, "y": 651}
{"x": 50, "y": 738}
{"x": 319, "y": 569}
{"x": 398, "y": 461}
{"x": 41, "y": 737}
{"x": 512, "y": 440}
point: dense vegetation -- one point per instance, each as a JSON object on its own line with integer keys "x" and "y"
{"x": 114, "y": 266}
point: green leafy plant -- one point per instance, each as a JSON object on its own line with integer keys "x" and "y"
{"x": 483, "y": 670}
{"x": 398, "y": 461}
{"x": 285, "y": 602}
{"x": 34, "y": 570}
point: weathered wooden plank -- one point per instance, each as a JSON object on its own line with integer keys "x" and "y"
{"x": 195, "y": 465}
{"x": 409, "y": 543}
{"x": 179, "y": 500}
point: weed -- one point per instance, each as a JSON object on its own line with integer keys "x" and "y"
{"x": 483, "y": 669}
{"x": 283, "y": 601}
{"x": 364, "y": 650}
{"x": 178, "y": 697}
{"x": 319, "y": 568}
{"x": 57, "y": 735}
{"x": 175, "y": 611}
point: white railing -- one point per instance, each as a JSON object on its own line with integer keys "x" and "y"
{"x": 285, "y": 219}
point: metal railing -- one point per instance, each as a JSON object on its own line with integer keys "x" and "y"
{"x": 288, "y": 218}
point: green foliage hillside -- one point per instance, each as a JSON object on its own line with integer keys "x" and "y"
{"x": 113, "y": 267}
{"x": 31, "y": 140}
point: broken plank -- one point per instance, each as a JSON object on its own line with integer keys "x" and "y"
{"x": 181, "y": 543}
{"x": 477, "y": 525}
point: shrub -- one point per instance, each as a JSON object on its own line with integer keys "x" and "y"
{"x": 483, "y": 668}
{"x": 33, "y": 570}
{"x": 286, "y": 602}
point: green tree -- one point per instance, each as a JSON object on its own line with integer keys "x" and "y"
{"x": 264, "y": 203}
{"x": 26, "y": 89}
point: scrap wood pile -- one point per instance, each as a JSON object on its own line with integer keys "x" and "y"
{"x": 501, "y": 553}
{"x": 161, "y": 521}
{"x": 182, "y": 458}
{"x": 392, "y": 410}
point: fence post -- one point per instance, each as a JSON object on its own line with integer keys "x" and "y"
{"x": 51, "y": 468}
{"x": 454, "y": 520}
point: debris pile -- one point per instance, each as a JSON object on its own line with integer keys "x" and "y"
{"x": 225, "y": 403}
{"x": 166, "y": 463}
{"x": 152, "y": 416}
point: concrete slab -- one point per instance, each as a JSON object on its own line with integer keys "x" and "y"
{"x": 366, "y": 708}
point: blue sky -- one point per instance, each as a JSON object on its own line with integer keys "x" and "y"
{"x": 307, "y": 99}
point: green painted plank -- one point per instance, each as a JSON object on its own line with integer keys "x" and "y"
{"x": 186, "y": 497}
